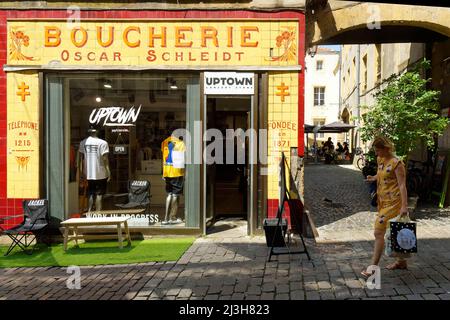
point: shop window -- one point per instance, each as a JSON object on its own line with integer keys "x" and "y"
{"x": 364, "y": 70}
{"x": 319, "y": 65}
{"x": 319, "y": 96}
{"x": 130, "y": 119}
{"x": 378, "y": 58}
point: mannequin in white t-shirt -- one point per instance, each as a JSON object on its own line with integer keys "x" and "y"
{"x": 95, "y": 167}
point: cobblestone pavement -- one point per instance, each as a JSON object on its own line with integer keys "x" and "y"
{"x": 349, "y": 217}
{"x": 229, "y": 265}
{"x": 339, "y": 201}
{"x": 344, "y": 186}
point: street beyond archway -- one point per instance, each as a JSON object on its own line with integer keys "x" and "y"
{"x": 339, "y": 201}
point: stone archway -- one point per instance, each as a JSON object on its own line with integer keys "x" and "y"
{"x": 339, "y": 22}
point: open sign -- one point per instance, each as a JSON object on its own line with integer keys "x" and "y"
{"x": 120, "y": 149}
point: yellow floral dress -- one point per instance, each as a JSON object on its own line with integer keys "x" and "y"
{"x": 388, "y": 192}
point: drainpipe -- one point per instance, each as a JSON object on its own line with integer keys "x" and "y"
{"x": 340, "y": 83}
{"x": 358, "y": 97}
{"x": 340, "y": 86}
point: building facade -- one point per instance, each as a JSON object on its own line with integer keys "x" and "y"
{"x": 322, "y": 89}
{"x": 381, "y": 39}
{"x": 365, "y": 67}
{"x": 137, "y": 75}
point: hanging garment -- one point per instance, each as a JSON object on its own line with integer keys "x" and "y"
{"x": 173, "y": 150}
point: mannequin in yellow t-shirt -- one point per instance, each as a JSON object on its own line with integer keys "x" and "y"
{"x": 173, "y": 150}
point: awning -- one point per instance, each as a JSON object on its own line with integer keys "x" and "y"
{"x": 336, "y": 127}
{"x": 309, "y": 128}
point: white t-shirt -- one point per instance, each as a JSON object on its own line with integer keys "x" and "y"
{"x": 93, "y": 149}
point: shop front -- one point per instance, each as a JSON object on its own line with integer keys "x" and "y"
{"x": 194, "y": 109}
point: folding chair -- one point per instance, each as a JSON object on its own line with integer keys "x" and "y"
{"x": 138, "y": 195}
{"x": 35, "y": 213}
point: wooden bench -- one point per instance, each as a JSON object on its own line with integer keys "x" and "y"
{"x": 74, "y": 223}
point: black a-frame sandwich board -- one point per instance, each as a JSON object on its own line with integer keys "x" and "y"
{"x": 276, "y": 239}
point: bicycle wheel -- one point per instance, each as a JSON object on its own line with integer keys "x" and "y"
{"x": 360, "y": 163}
{"x": 425, "y": 190}
{"x": 412, "y": 184}
{"x": 416, "y": 176}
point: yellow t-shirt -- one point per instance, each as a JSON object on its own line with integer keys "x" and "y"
{"x": 172, "y": 148}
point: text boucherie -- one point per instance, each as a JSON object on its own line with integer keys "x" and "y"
{"x": 135, "y": 36}
{"x": 157, "y": 40}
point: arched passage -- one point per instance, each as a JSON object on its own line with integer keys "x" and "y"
{"x": 376, "y": 23}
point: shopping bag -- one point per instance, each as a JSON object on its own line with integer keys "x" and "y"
{"x": 387, "y": 243}
{"x": 390, "y": 238}
{"x": 403, "y": 236}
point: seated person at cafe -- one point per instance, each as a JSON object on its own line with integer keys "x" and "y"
{"x": 346, "y": 151}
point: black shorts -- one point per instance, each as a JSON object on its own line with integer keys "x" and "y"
{"x": 174, "y": 185}
{"x": 97, "y": 187}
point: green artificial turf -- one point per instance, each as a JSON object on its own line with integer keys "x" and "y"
{"x": 98, "y": 253}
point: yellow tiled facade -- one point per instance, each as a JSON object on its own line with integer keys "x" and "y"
{"x": 23, "y": 135}
{"x": 282, "y": 123}
{"x": 127, "y": 43}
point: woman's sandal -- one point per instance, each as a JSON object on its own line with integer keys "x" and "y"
{"x": 397, "y": 265}
{"x": 366, "y": 274}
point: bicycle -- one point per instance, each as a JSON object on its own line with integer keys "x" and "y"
{"x": 418, "y": 179}
{"x": 362, "y": 158}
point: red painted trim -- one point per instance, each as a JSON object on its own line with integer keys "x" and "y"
{"x": 13, "y": 206}
{"x": 301, "y": 91}
{"x": 272, "y": 209}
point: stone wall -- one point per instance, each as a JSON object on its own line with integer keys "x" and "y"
{"x": 159, "y": 5}
{"x": 297, "y": 167}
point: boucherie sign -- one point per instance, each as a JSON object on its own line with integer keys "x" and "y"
{"x": 153, "y": 42}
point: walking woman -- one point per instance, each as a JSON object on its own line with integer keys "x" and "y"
{"x": 392, "y": 197}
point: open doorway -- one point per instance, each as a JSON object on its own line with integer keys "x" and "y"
{"x": 227, "y": 181}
